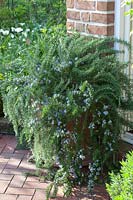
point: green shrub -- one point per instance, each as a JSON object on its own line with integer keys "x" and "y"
{"x": 44, "y": 12}
{"x": 121, "y": 186}
{"x": 5, "y": 16}
{"x": 63, "y": 94}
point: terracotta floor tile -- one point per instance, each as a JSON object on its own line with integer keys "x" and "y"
{"x": 13, "y": 163}
{"x": 26, "y": 165}
{"x": 21, "y": 151}
{"x": 9, "y": 148}
{"x": 3, "y": 186}
{"x": 32, "y": 179}
{"x": 17, "y": 171}
{"x": 8, "y": 197}
{"x": 2, "y": 166}
{"x": 15, "y": 186}
{"x": 40, "y": 195}
{"x": 1, "y": 149}
{"x": 11, "y": 155}
{"x": 5, "y": 155}
{"x": 23, "y": 197}
{"x": 3, "y": 159}
{"x": 20, "y": 191}
{"x": 17, "y": 181}
{"x": 13, "y": 171}
{"x": 6, "y": 177}
{"x": 35, "y": 185}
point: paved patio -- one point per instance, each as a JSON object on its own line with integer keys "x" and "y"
{"x": 15, "y": 185}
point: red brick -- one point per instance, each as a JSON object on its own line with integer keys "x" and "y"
{"x": 13, "y": 171}
{"x": 6, "y": 155}
{"x": 23, "y": 197}
{"x": 2, "y": 145}
{"x": 17, "y": 171}
{"x": 35, "y": 185}
{"x": 40, "y": 195}
{"x": 80, "y": 27}
{"x": 102, "y": 18}
{"x": 2, "y": 166}
{"x": 18, "y": 155}
{"x": 3, "y": 186}
{"x": 8, "y": 197}
{"x": 6, "y": 177}
{"x": 27, "y": 156}
{"x": 100, "y": 30}
{"x": 3, "y": 159}
{"x": 73, "y": 15}
{"x": 105, "y": 6}
{"x": 7, "y": 139}
{"x": 9, "y": 148}
{"x": 27, "y": 165}
{"x": 85, "y": 4}
{"x": 32, "y": 179}
{"x": 70, "y": 26}
{"x": 70, "y": 3}
{"x": 85, "y": 16}
{"x": 13, "y": 163}
{"x": 20, "y": 191}
{"x": 1, "y": 149}
{"x": 17, "y": 181}
{"x": 22, "y": 151}
{"x": 12, "y": 155}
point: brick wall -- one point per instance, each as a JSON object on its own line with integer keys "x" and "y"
{"x": 93, "y": 17}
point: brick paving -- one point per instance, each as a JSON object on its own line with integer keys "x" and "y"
{"x": 16, "y": 185}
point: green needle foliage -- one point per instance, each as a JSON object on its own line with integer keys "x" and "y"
{"x": 121, "y": 186}
{"x": 64, "y": 94}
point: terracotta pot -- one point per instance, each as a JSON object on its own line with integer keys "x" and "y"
{"x": 83, "y": 130}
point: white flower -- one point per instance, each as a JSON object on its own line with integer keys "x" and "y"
{"x": 18, "y": 30}
{"x": 99, "y": 168}
{"x": 12, "y": 35}
{"x": 27, "y": 30}
{"x": 111, "y": 149}
{"x": 99, "y": 113}
{"x": 4, "y": 32}
{"x": 91, "y": 169}
{"x": 22, "y": 24}
{"x": 92, "y": 125}
{"x": 25, "y": 34}
{"x": 82, "y": 157}
{"x": 109, "y": 122}
{"x": 107, "y": 132}
{"x": 9, "y": 44}
{"x": 12, "y": 29}
{"x": 104, "y": 122}
{"x": 105, "y": 107}
{"x": 65, "y": 111}
{"x": 70, "y": 63}
{"x": 59, "y": 123}
{"x": 105, "y": 113}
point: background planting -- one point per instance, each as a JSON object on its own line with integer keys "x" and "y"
{"x": 64, "y": 94}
